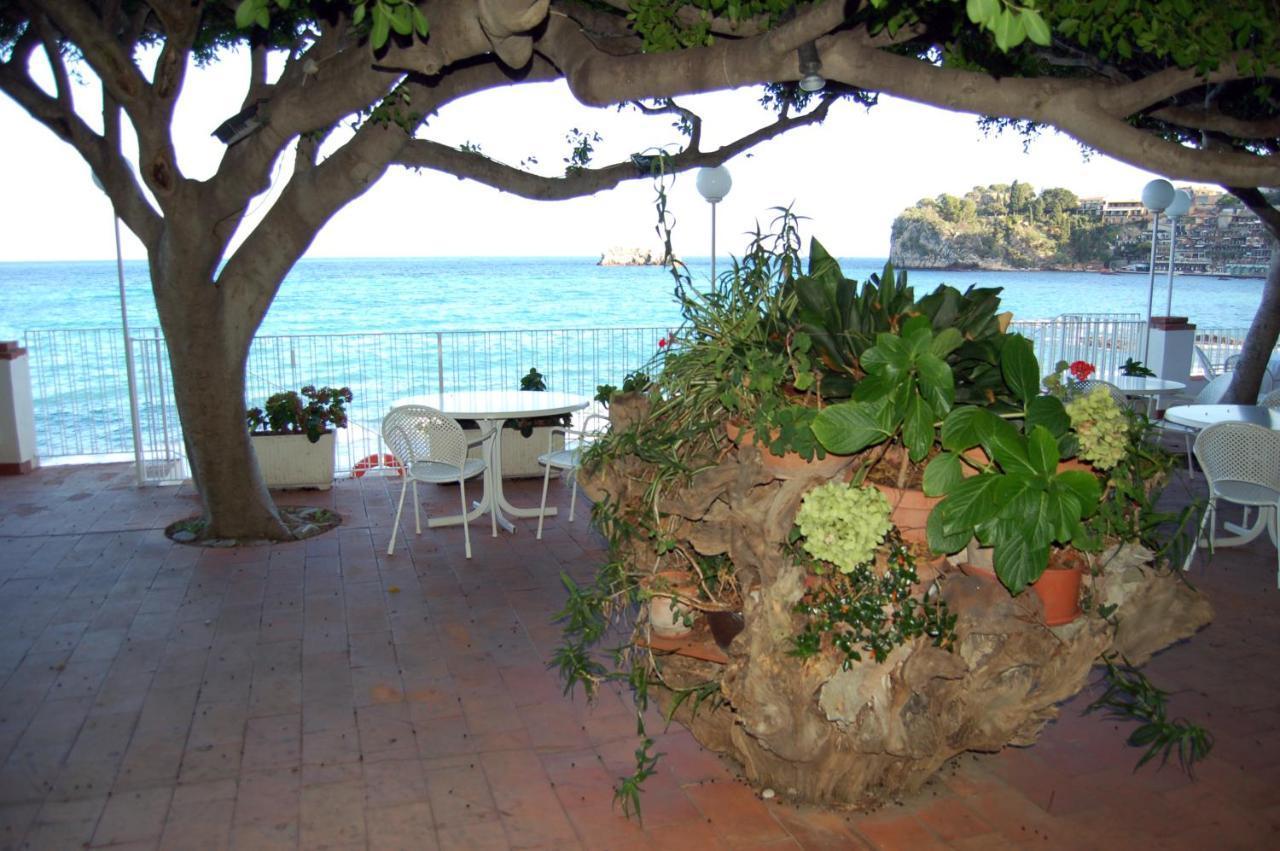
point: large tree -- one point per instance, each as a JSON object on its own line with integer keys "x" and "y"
{"x": 1172, "y": 86}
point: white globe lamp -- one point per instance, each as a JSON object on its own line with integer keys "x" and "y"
{"x": 1157, "y": 195}
{"x": 713, "y": 185}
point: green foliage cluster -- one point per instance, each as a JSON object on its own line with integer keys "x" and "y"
{"x": 1006, "y": 225}
{"x": 533, "y": 380}
{"x": 858, "y": 612}
{"x": 632, "y": 382}
{"x": 287, "y": 413}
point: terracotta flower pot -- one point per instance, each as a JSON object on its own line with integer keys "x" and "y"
{"x": 1059, "y": 588}
{"x": 792, "y": 464}
{"x": 909, "y": 510}
{"x": 671, "y": 614}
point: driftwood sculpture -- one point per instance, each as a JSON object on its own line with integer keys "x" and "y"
{"x": 876, "y": 730}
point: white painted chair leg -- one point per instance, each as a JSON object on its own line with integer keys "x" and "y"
{"x": 1195, "y": 542}
{"x": 395, "y": 527}
{"x": 466, "y": 527}
{"x": 417, "y": 513}
{"x": 573, "y": 492}
{"x": 542, "y": 508}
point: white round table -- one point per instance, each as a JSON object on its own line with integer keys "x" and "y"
{"x": 1135, "y": 385}
{"x": 1203, "y": 416}
{"x": 490, "y": 409}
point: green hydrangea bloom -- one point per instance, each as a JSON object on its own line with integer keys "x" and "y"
{"x": 843, "y": 524}
{"x": 1101, "y": 426}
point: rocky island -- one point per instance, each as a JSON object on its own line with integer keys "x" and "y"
{"x": 622, "y": 256}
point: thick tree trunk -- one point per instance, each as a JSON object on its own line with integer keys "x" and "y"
{"x": 1260, "y": 342}
{"x": 208, "y": 344}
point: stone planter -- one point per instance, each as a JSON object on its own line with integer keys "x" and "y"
{"x": 292, "y": 461}
{"x": 520, "y": 453}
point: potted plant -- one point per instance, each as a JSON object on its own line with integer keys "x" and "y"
{"x": 929, "y": 394}
{"x": 292, "y": 435}
{"x": 533, "y": 435}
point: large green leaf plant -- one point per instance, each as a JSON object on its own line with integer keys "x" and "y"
{"x": 1017, "y": 501}
{"x": 995, "y": 466}
{"x": 907, "y": 388}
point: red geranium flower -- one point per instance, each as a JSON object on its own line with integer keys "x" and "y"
{"x": 1082, "y": 370}
{"x": 662, "y": 343}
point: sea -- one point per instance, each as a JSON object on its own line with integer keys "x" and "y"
{"x": 327, "y": 296}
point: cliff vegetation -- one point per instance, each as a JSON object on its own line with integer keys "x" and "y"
{"x": 1003, "y": 226}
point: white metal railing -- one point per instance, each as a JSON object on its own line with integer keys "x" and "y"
{"x": 382, "y": 367}
{"x": 82, "y": 405}
{"x": 1105, "y": 340}
{"x": 1218, "y": 344}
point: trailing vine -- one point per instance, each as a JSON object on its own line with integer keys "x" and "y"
{"x": 1130, "y": 696}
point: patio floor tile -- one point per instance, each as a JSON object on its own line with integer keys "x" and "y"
{"x": 322, "y": 694}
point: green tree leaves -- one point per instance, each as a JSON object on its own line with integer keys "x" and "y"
{"x": 384, "y": 17}
{"x": 1010, "y": 24}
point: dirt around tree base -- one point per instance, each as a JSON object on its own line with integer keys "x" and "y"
{"x": 302, "y": 521}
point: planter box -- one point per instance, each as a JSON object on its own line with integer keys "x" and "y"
{"x": 292, "y": 461}
{"x": 520, "y": 453}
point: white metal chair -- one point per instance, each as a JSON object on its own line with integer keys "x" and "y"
{"x": 1210, "y": 394}
{"x": 433, "y": 449}
{"x": 1202, "y": 357}
{"x": 568, "y": 458}
{"x": 1241, "y": 463}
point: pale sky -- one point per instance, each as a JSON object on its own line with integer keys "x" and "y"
{"x": 850, "y": 176}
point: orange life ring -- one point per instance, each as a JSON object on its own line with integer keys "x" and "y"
{"x": 369, "y": 462}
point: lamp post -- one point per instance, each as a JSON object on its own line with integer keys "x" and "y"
{"x": 130, "y": 375}
{"x": 1156, "y": 197}
{"x": 713, "y": 185}
{"x": 1179, "y": 207}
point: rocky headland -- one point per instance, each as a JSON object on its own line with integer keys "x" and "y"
{"x": 1000, "y": 228}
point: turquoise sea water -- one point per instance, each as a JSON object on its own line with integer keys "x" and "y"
{"x": 459, "y": 294}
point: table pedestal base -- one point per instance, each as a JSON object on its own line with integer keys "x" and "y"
{"x": 494, "y": 499}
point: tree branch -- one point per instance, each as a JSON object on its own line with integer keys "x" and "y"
{"x": 423, "y": 153}
{"x": 108, "y": 58}
{"x": 1212, "y": 120}
{"x": 1258, "y": 204}
{"x": 1161, "y": 85}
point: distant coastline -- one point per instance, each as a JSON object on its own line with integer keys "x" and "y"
{"x": 995, "y": 267}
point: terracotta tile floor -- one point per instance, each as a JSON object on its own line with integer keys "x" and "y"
{"x": 322, "y": 695}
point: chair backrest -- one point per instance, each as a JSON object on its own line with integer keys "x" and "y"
{"x": 1086, "y": 387}
{"x": 1231, "y": 362}
{"x": 419, "y": 433}
{"x": 593, "y": 426}
{"x": 1270, "y": 400}
{"x": 1205, "y": 364}
{"x": 1212, "y": 393}
{"x": 1240, "y": 452}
